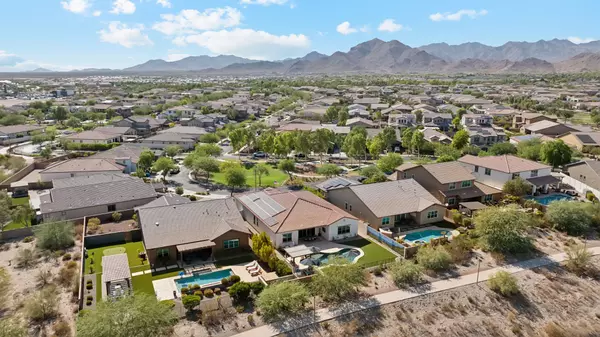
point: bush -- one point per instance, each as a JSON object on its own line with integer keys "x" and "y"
{"x": 280, "y": 267}
{"x": 89, "y": 286}
{"x": 434, "y": 258}
{"x": 378, "y": 271}
{"x": 405, "y": 272}
{"x": 251, "y": 320}
{"x": 65, "y": 276}
{"x": 88, "y": 303}
{"x": 195, "y": 287}
{"x": 71, "y": 265}
{"x": 281, "y": 299}
{"x": 233, "y": 279}
{"x": 54, "y": 236}
{"x": 239, "y": 309}
{"x": 61, "y": 329}
{"x": 590, "y": 196}
{"x": 28, "y": 239}
{"x": 504, "y": 283}
{"x": 169, "y": 303}
{"x": 456, "y": 217}
{"x": 116, "y": 216}
{"x": 190, "y": 301}
{"x": 77, "y": 256}
{"x": 42, "y": 305}
{"x": 26, "y": 258}
{"x": 94, "y": 221}
{"x": 217, "y": 291}
{"x": 179, "y": 190}
{"x": 208, "y": 293}
{"x": 225, "y": 281}
{"x": 257, "y": 287}
{"x": 192, "y": 198}
{"x": 66, "y": 257}
{"x": 460, "y": 248}
{"x": 571, "y": 217}
{"x": 199, "y": 293}
{"x": 240, "y": 291}
{"x": 579, "y": 259}
{"x": 185, "y": 290}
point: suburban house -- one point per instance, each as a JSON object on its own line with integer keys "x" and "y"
{"x": 162, "y": 140}
{"x": 495, "y": 171}
{"x": 527, "y": 118}
{"x": 79, "y": 167}
{"x": 434, "y": 136}
{"x": 398, "y": 108}
{"x": 485, "y": 136}
{"x": 182, "y": 111}
{"x": 579, "y": 140}
{"x": 102, "y": 135}
{"x": 175, "y": 232}
{"x": 401, "y": 120}
{"x": 126, "y": 155}
{"x": 476, "y": 119}
{"x": 515, "y": 140}
{"x": 199, "y": 121}
{"x": 189, "y": 132}
{"x": 116, "y": 276}
{"x": 291, "y": 216}
{"x": 358, "y": 111}
{"x": 18, "y": 133}
{"x": 360, "y": 122}
{"x": 143, "y": 126}
{"x": 451, "y": 183}
{"x": 335, "y": 183}
{"x": 439, "y": 120}
{"x": 547, "y": 128}
{"x": 584, "y": 176}
{"x": 389, "y": 203}
{"x": 78, "y": 197}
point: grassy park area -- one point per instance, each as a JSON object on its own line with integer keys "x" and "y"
{"x": 275, "y": 175}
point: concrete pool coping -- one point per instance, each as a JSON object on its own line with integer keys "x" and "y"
{"x": 334, "y": 250}
{"x": 453, "y": 233}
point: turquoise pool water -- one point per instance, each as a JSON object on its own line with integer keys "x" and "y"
{"x": 547, "y": 199}
{"x": 322, "y": 258}
{"x": 202, "y": 279}
{"x": 427, "y": 234}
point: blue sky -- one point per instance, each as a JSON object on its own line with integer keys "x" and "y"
{"x": 68, "y": 34}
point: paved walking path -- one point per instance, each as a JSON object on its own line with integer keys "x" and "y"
{"x": 399, "y": 295}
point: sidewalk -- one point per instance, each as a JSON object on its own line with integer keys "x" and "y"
{"x": 399, "y": 295}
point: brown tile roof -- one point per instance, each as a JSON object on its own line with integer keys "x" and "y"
{"x": 84, "y": 165}
{"x": 449, "y": 172}
{"x": 505, "y": 163}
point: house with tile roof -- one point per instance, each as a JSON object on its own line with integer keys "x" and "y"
{"x": 78, "y": 167}
{"x": 289, "y": 217}
{"x": 389, "y": 203}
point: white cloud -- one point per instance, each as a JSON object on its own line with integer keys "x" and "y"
{"x": 176, "y": 57}
{"x": 76, "y": 6}
{"x": 248, "y": 43}
{"x": 123, "y": 7}
{"x": 164, "y": 3}
{"x": 292, "y": 6}
{"x": 579, "y": 40}
{"x": 345, "y": 29}
{"x": 263, "y": 2}
{"x": 365, "y": 29}
{"x": 97, "y": 13}
{"x": 120, "y": 33}
{"x": 321, "y": 33}
{"x": 447, "y": 16}
{"x": 389, "y": 25}
{"x": 191, "y": 20}
{"x": 9, "y": 60}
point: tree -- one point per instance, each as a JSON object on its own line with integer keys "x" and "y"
{"x": 556, "y": 153}
{"x": 503, "y": 283}
{"x": 503, "y": 229}
{"x": 5, "y": 205}
{"x": 146, "y": 160}
{"x": 164, "y": 165}
{"x": 288, "y": 166}
{"x": 329, "y": 170}
{"x": 502, "y": 148}
{"x": 238, "y": 137}
{"x": 13, "y": 119}
{"x": 331, "y": 114}
{"x": 530, "y": 149}
{"x": 262, "y": 246}
{"x": 405, "y": 272}
{"x": 434, "y": 258}
{"x": 355, "y": 144}
{"x": 54, "y": 236}
{"x": 46, "y": 152}
{"x": 266, "y": 141}
{"x": 173, "y": 150}
{"x": 444, "y": 159}
{"x": 42, "y": 305}
{"x": 565, "y": 114}
{"x": 39, "y": 116}
{"x": 235, "y": 177}
{"x": 190, "y": 301}
{"x": 321, "y": 141}
{"x": 73, "y": 122}
{"x": 260, "y": 170}
{"x": 419, "y": 115}
{"x": 572, "y": 217}
{"x": 461, "y": 139}
{"x": 417, "y": 142}
{"x": 376, "y": 146}
{"x": 518, "y": 187}
{"x": 209, "y": 138}
{"x": 302, "y": 142}
{"x": 60, "y": 114}
{"x": 22, "y": 214}
{"x": 281, "y": 299}
{"x": 389, "y": 137}
{"x": 145, "y": 317}
{"x": 370, "y": 171}
{"x": 338, "y": 280}
{"x": 390, "y": 162}
{"x": 406, "y": 138}
{"x": 208, "y": 150}
{"x": 343, "y": 116}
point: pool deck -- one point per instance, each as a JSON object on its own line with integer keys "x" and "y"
{"x": 328, "y": 247}
{"x": 452, "y": 232}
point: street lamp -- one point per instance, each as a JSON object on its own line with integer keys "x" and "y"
{"x": 478, "y": 268}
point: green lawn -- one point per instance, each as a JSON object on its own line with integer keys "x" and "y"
{"x": 275, "y": 175}
{"x": 20, "y": 201}
{"x": 98, "y": 288}
{"x": 582, "y": 118}
{"x": 131, "y": 248}
{"x": 373, "y": 251}
{"x": 14, "y": 225}
{"x": 143, "y": 283}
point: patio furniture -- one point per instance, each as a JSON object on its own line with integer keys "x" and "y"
{"x": 251, "y": 265}
{"x": 256, "y": 273}
{"x": 253, "y": 269}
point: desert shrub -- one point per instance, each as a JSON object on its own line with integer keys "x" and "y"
{"x": 504, "y": 229}
{"x": 240, "y": 291}
{"x": 116, "y": 216}
{"x": 71, "y": 265}
{"x": 460, "y": 248}
{"x": 42, "y": 305}
{"x": 65, "y": 276}
{"x": 251, "y": 320}
{"x": 579, "y": 259}
{"x": 43, "y": 277}
{"x": 434, "y": 258}
{"x": 210, "y": 318}
{"x": 28, "y": 239}
{"x": 571, "y": 217}
{"x": 217, "y": 291}
{"x": 179, "y": 190}
{"x": 282, "y": 299}
{"x": 208, "y": 293}
{"x": 405, "y": 273}
{"x": 257, "y": 287}
{"x": 190, "y": 301}
{"x": 169, "y": 303}
{"x": 66, "y": 257}
{"x": 503, "y": 283}
{"x": 234, "y": 279}
{"x": 26, "y": 258}
{"x": 377, "y": 271}
{"x": 93, "y": 225}
{"x": 61, "y": 329}
{"x": 77, "y": 256}
{"x": 54, "y": 236}
{"x": 193, "y": 198}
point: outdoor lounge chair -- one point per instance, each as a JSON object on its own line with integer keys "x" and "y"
{"x": 255, "y": 273}
{"x": 253, "y": 269}
{"x": 251, "y": 265}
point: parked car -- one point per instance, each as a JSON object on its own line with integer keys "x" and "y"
{"x": 175, "y": 171}
{"x": 259, "y": 154}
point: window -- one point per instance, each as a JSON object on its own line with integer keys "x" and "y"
{"x": 163, "y": 253}
{"x": 345, "y": 205}
{"x": 350, "y": 208}
{"x": 488, "y": 198}
{"x": 344, "y": 229}
{"x": 476, "y": 168}
{"x": 451, "y": 201}
{"x": 230, "y": 244}
{"x": 287, "y": 237}
{"x": 451, "y": 186}
{"x": 112, "y": 208}
{"x": 534, "y": 173}
{"x": 385, "y": 221}
{"x": 432, "y": 214}
{"x": 515, "y": 175}
{"x": 466, "y": 183}
{"x": 488, "y": 172}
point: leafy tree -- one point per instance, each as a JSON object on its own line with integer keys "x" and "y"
{"x": 46, "y": 152}
{"x": 281, "y": 146}
{"x": 146, "y": 160}
{"x": 405, "y": 272}
{"x": 419, "y": 115}
{"x": 262, "y": 246}
{"x": 208, "y": 150}
{"x": 282, "y": 299}
{"x": 370, "y": 171}
{"x": 376, "y": 146}
{"x": 556, "y": 153}
{"x": 13, "y": 119}
{"x": 145, "y": 317}
{"x": 164, "y": 165}
{"x": 240, "y": 291}
{"x": 445, "y": 158}
{"x": 329, "y": 170}
{"x": 5, "y": 205}
{"x": 418, "y": 140}
{"x": 343, "y": 116}
{"x": 503, "y": 229}
{"x": 390, "y": 162}
{"x": 22, "y": 214}
{"x": 288, "y": 166}
{"x": 190, "y": 301}
{"x": 42, "y": 305}
{"x": 503, "y": 283}
{"x": 461, "y": 139}
{"x": 209, "y": 138}
{"x": 60, "y": 114}
{"x": 173, "y": 150}
{"x": 517, "y": 187}
{"x": 530, "y": 149}
{"x": 207, "y": 165}
{"x": 235, "y": 177}
{"x": 572, "y": 217}
{"x": 261, "y": 170}
{"x": 320, "y": 141}
{"x": 239, "y": 137}
{"x": 338, "y": 280}
{"x": 266, "y": 141}
{"x": 502, "y": 148}
{"x": 331, "y": 114}
{"x": 407, "y": 136}
{"x": 73, "y": 122}
{"x": 355, "y": 144}
{"x": 54, "y": 236}
{"x": 434, "y": 258}
{"x": 302, "y": 142}
{"x": 39, "y": 116}
{"x": 388, "y": 135}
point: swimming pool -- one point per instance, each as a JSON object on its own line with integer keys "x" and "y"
{"x": 203, "y": 279}
{"x": 547, "y": 199}
{"x": 319, "y": 259}
{"x": 427, "y": 235}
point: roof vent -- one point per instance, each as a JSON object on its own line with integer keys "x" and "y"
{"x": 157, "y": 224}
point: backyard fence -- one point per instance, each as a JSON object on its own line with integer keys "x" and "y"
{"x": 398, "y": 248}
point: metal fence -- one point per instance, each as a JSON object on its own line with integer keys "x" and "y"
{"x": 398, "y": 248}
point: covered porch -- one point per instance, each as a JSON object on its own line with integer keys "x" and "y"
{"x": 476, "y": 193}
{"x": 195, "y": 252}
{"x": 544, "y": 184}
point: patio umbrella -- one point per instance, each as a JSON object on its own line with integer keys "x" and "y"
{"x": 181, "y": 273}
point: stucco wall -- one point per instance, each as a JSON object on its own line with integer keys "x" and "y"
{"x": 101, "y": 209}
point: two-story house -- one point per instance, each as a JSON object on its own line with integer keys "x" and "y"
{"x": 451, "y": 183}
{"x": 18, "y": 133}
{"x": 402, "y": 120}
{"x": 143, "y": 126}
{"x": 527, "y": 118}
{"x": 495, "y": 171}
{"x": 476, "y": 120}
{"x": 439, "y": 120}
{"x": 485, "y": 136}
